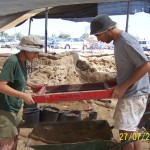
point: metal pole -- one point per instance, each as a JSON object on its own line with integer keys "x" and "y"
{"x": 127, "y": 20}
{"x": 46, "y": 23}
{"x": 29, "y": 26}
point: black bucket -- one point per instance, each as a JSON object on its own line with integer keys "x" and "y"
{"x": 74, "y": 115}
{"x": 31, "y": 117}
{"x": 61, "y": 115}
{"x": 147, "y": 125}
{"x": 30, "y": 106}
{"x": 92, "y": 115}
{"x": 49, "y": 114}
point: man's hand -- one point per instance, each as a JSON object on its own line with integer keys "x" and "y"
{"x": 118, "y": 91}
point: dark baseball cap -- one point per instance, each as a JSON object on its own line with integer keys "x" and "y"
{"x": 101, "y": 23}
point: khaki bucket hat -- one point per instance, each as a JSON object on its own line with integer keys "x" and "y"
{"x": 31, "y": 44}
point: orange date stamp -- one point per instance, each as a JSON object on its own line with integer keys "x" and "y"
{"x": 134, "y": 136}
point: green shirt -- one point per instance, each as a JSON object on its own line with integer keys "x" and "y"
{"x": 16, "y": 75}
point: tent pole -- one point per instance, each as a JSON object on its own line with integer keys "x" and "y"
{"x": 46, "y": 19}
{"x": 29, "y": 26}
{"x": 127, "y": 20}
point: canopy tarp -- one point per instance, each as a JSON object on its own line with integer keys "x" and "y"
{"x": 83, "y": 12}
{"x": 16, "y": 11}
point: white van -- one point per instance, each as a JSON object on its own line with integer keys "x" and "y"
{"x": 145, "y": 44}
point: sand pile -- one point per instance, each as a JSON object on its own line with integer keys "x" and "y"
{"x": 72, "y": 68}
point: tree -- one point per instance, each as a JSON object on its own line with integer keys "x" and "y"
{"x": 63, "y": 35}
{"x": 18, "y": 36}
{"x": 4, "y": 35}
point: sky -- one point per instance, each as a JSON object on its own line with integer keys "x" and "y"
{"x": 139, "y": 26}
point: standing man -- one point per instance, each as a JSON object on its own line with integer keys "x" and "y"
{"x": 13, "y": 80}
{"x": 132, "y": 77}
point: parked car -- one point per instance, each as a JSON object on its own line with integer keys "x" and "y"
{"x": 101, "y": 45}
{"x": 8, "y": 43}
{"x": 145, "y": 44}
{"x": 95, "y": 45}
{"x": 72, "y": 43}
{"x": 3, "y": 43}
{"x": 12, "y": 43}
{"x": 51, "y": 42}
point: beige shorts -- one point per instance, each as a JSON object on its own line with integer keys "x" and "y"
{"x": 129, "y": 112}
{"x": 8, "y": 124}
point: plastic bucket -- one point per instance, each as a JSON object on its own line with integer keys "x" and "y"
{"x": 31, "y": 117}
{"x": 49, "y": 114}
{"x": 30, "y": 106}
{"x": 92, "y": 115}
{"x": 74, "y": 115}
{"x": 147, "y": 125}
{"x": 61, "y": 115}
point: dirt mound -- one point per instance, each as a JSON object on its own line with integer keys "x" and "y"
{"x": 72, "y": 68}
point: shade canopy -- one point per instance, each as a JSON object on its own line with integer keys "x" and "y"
{"x": 84, "y": 12}
{"x": 16, "y": 11}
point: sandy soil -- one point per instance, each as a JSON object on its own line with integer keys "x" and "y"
{"x": 72, "y": 68}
